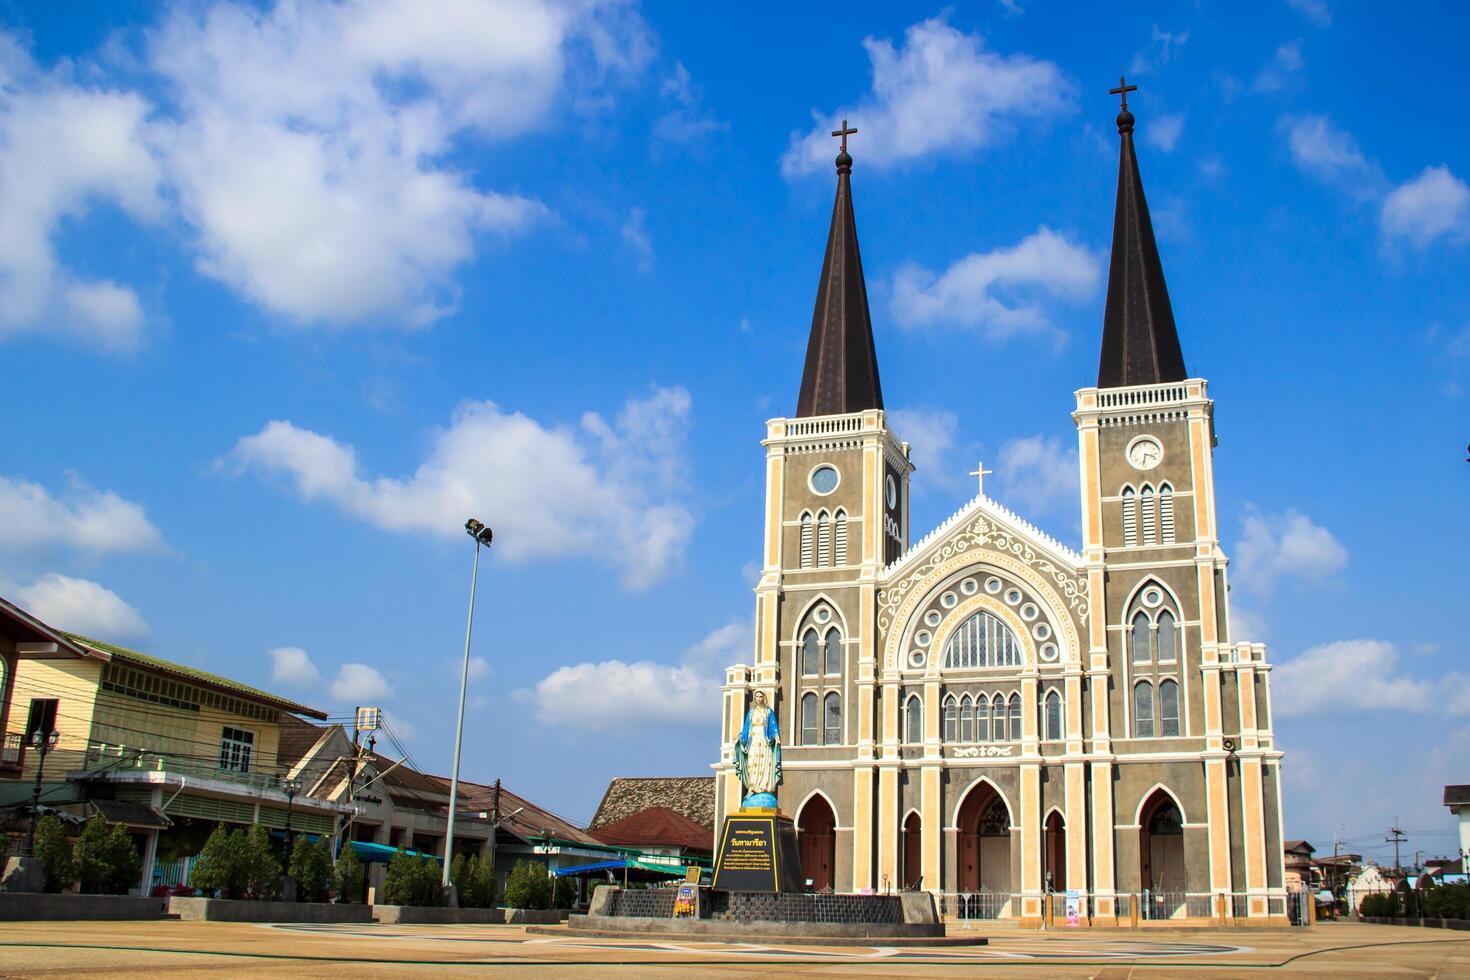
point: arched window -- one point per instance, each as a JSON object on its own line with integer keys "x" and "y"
{"x": 1014, "y": 711}
{"x": 1143, "y": 709}
{"x": 833, "y": 657}
{"x": 1168, "y": 638}
{"x": 1169, "y": 708}
{"x": 832, "y": 714}
{"x": 951, "y": 719}
{"x": 1166, "y": 514}
{"x": 982, "y": 719}
{"x": 983, "y": 640}
{"x": 914, "y": 715}
{"x": 806, "y": 540}
{"x": 810, "y": 665}
{"x": 1146, "y": 514}
{"x": 1138, "y": 638}
{"x": 839, "y": 538}
{"x": 1130, "y": 517}
{"x": 967, "y": 719}
{"x": 1053, "y": 715}
{"x": 809, "y": 720}
{"x": 824, "y": 539}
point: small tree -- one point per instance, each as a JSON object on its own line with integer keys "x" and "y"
{"x": 93, "y": 856}
{"x": 527, "y": 886}
{"x": 460, "y": 879}
{"x": 412, "y": 880}
{"x": 311, "y": 867}
{"x": 221, "y": 866}
{"x": 349, "y": 875}
{"x": 474, "y": 882}
{"x": 564, "y": 894}
{"x": 262, "y": 870}
{"x": 54, "y": 850}
{"x": 124, "y": 861}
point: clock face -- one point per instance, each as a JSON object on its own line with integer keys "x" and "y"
{"x": 1145, "y": 453}
{"x": 892, "y": 489}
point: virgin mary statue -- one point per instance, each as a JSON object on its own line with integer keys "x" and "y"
{"x": 758, "y": 755}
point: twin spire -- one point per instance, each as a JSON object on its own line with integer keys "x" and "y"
{"x": 1140, "y": 342}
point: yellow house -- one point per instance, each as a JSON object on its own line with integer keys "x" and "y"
{"x": 163, "y": 748}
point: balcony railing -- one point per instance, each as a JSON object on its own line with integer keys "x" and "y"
{"x": 12, "y": 752}
{"x": 110, "y": 757}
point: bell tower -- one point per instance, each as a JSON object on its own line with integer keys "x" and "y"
{"x": 837, "y": 485}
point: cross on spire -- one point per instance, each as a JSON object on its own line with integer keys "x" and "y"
{"x": 844, "y": 132}
{"x": 980, "y": 473}
{"x": 1123, "y": 89}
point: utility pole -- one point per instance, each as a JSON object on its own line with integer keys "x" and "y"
{"x": 1396, "y": 837}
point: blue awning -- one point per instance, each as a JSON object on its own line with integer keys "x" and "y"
{"x": 671, "y": 871}
{"x": 368, "y": 851}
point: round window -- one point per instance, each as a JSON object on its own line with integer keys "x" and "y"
{"x": 992, "y": 585}
{"x": 969, "y": 586}
{"x": 824, "y": 479}
{"x": 916, "y": 658}
{"x": 1029, "y": 611}
{"x": 1013, "y": 596}
{"x": 1049, "y": 652}
{"x": 1153, "y": 597}
{"x": 932, "y": 617}
{"x": 923, "y": 638}
{"x": 823, "y": 614}
{"x": 1041, "y": 631}
{"x": 948, "y": 600}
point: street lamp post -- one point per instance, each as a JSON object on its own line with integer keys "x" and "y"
{"x": 43, "y": 742}
{"x": 482, "y": 536}
{"x": 292, "y": 786}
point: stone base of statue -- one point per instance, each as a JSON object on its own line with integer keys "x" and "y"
{"x": 758, "y": 853}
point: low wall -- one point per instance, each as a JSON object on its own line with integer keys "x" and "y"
{"x": 437, "y": 915}
{"x": 15, "y": 907}
{"x": 721, "y": 914}
{"x": 1382, "y": 920}
{"x": 233, "y": 910}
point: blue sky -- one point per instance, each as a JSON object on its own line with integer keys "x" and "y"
{"x": 287, "y": 293}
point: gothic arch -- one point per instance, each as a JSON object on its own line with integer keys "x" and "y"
{"x": 962, "y": 612}
{"x": 972, "y": 560}
{"x": 1149, "y": 794}
{"x": 954, "y": 816}
{"x": 803, "y": 620}
{"x": 836, "y": 819}
{"x": 1144, "y": 583}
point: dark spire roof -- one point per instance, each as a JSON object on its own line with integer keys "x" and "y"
{"x": 1140, "y": 345}
{"x": 841, "y": 372}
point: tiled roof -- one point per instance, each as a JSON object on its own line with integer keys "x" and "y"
{"x": 692, "y": 797}
{"x": 298, "y": 737}
{"x": 654, "y": 827}
{"x": 532, "y": 821}
{"x": 130, "y": 813}
{"x": 150, "y": 662}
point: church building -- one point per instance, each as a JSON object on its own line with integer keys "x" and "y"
{"x": 984, "y": 712}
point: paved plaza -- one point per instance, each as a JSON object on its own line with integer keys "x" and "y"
{"x": 39, "y": 949}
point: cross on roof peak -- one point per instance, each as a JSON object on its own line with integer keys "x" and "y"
{"x": 844, "y": 132}
{"x": 1123, "y": 89}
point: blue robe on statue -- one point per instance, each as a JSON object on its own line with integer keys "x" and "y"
{"x": 763, "y": 794}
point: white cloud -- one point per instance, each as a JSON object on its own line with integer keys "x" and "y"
{"x": 611, "y": 693}
{"x": 1273, "y": 546}
{"x": 1350, "y": 675}
{"x": 940, "y": 91}
{"x": 604, "y": 492}
{"x": 1432, "y": 205}
{"x": 1281, "y": 70}
{"x": 291, "y": 665}
{"x": 359, "y": 684}
{"x": 1163, "y": 48}
{"x": 479, "y": 669}
{"x": 83, "y": 518}
{"x": 65, "y": 149}
{"x": 1000, "y": 292}
{"x": 1322, "y": 150}
{"x": 931, "y": 434}
{"x": 1163, "y": 132}
{"x": 686, "y": 121}
{"x": 1039, "y": 474}
{"x": 1315, "y": 11}
{"x": 1247, "y": 625}
{"x": 81, "y": 606}
{"x": 635, "y": 234}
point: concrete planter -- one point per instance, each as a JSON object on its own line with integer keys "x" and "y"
{"x": 534, "y": 917}
{"x": 437, "y": 915}
{"x": 233, "y": 910}
{"x": 33, "y": 906}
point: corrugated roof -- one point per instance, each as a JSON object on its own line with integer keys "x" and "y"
{"x": 131, "y": 813}
{"x": 150, "y": 662}
{"x": 298, "y": 737}
{"x": 532, "y": 821}
{"x": 692, "y": 797}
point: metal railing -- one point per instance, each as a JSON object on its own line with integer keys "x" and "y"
{"x": 978, "y": 906}
{"x": 111, "y": 757}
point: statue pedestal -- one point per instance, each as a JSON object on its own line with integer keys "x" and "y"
{"x": 758, "y": 853}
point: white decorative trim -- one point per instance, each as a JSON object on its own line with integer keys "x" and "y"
{"x": 991, "y": 508}
{"x": 1148, "y": 795}
{"x": 954, "y": 819}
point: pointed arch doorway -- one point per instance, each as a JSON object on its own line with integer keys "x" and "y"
{"x": 1162, "y": 871}
{"x": 816, "y": 830}
{"x": 912, "y": 875}
{"x": 1054, "y": 853}
{"x": 984, "y": 823}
